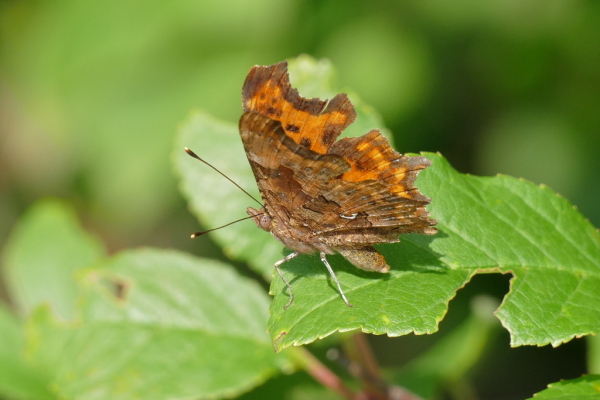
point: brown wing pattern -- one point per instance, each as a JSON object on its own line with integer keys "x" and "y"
{"x": 287, "y": 174}
{"x": 377, "y": 197}
{"x": 372, "y": 157}
{"x": 313, "y": 123}
{"x": 270, "y": 149}
{"x": 345, "y": 208}
{"x": 323, "y": 194}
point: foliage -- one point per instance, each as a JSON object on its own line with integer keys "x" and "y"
{"x": 152, "y": 323}
{"x": 90, "y": 94}
{"x": 498, "y": 224}
{"x": 144, "y": 324}
{"x": 586, "y": 387}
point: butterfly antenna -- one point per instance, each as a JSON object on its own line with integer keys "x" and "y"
{"x": 191, "y": 153}
{"x": 195, "y": 235}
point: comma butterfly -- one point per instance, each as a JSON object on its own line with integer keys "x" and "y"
{"x": 319, "y": 194}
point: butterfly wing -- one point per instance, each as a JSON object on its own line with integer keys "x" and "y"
{"x": 288, "y": 175}
{"x": 377, "y": 194}
{"x": 313, "y": 123}
{"x": 322, "y": 194}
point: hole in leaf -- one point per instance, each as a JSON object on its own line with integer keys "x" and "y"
{"x": 118, "y": 288}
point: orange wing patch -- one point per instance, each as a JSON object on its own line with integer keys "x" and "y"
{"x": 312, "y": 123}
{"x": 372, "y": 158}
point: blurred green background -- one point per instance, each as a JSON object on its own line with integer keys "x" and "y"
{"x": 91, "y": 94}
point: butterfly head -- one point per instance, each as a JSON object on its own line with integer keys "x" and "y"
{"x": 260, "y": 218}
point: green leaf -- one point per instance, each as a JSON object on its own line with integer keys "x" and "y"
{"x": 412, "y": 297}
{"x": 42, "y": 255}
{"x": 159, "y": 324}
{"x": 498, "y": 224}
{"x": 515, "y": 226}
{"x": 217, "y": 202}
{"x": 17, "y": 379}
{"x": 586, "y": 387}
{"x": 486, "y": 225}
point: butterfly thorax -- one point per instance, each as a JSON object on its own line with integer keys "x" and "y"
{"x": 292, "y": 235}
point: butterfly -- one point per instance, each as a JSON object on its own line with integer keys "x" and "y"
{"x": 321, "y": 194}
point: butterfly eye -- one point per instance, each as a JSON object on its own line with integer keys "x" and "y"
{"x": 265, "y": 222}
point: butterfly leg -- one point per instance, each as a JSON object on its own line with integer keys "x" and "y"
{"x": 335, "y": 279}
{"x": 277, "y": 264}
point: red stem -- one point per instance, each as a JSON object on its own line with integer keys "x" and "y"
{"x": 322, "y": 374}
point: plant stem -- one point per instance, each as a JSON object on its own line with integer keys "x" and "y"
{"x": 366, "y": 358}
{"x": 363, "y": 365}
{"x": 315, "y": 368}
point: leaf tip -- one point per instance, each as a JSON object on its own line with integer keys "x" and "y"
{"x": 277, "y": 345}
